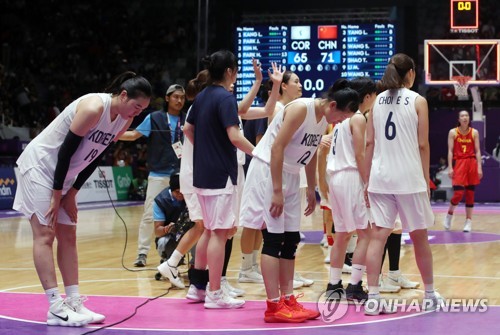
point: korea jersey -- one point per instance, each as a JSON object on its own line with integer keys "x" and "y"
{"x": 341, "y": 155}
{"x": 396, "y": 165}
{"x": 303, "y": 144}
{"x": 42, "y": 152}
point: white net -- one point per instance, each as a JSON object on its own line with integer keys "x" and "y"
{"x": 461, "y": 85}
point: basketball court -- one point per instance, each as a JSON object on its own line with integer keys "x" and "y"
{"x": 466, "y": 270}
{"x": 461, "y": 265}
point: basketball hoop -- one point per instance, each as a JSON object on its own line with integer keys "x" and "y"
{"x": 461, "y": 83}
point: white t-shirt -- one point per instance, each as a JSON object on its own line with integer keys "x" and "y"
{"x": 42, "y": 152}
{"x": 341, "y": 155}
{"x": 186, "y": 170}
{"x": 303, "y": 144}
{"x": 396, "y": 165}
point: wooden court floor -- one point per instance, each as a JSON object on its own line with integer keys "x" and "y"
{"x": 469, "y": 270}
{"x": 462, "y": 270}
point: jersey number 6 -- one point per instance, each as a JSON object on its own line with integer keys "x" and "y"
{"x": 390, "y": 128}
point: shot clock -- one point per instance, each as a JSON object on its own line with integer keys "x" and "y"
{"x": 464, "y": 16}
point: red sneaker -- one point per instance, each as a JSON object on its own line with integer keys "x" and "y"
{"x": 280, "y": 312}
{"x": 294, "y": 305}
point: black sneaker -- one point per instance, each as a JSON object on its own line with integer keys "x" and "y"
{"x": 356, "y": 292}
{"x": 335, "y": 292}
{"x": 140, "y": 261}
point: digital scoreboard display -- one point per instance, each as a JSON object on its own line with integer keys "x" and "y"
{"x": 318, "y": 54}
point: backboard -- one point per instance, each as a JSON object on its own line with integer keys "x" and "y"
{"x": 478, "y": 59}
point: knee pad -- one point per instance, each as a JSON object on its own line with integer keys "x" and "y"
{"x": 272, "y": 243}
{"x": 469, "y": 196}
{"x": 292, "y": 240}
{"x": 458, "y": 194}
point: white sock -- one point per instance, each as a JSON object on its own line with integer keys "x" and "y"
{"x": 52, "y": 295}
{"x": 357, "y": 273}
{"x": 429, "y": 290}
{"x": 352, "y": 244}
{"x": 71, "y": 291}
{"x": 373, "y": 291}
{"x": 335, "y": 275}
{"x": 394, "y": 274}
{"x": 255, "y": 255}
{"x": 246, "y": 261}
{"x": 175, "y": 258}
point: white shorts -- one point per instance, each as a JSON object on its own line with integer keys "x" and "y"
{"x": 398, "y": 225}
{"x": 346, "y": 196}
{"x": 256, "y": 200}
{"x": 240, "y": 184}
{"x": 34, "y": 198}
{"x": 219, "y": 210}
{"x": 324, "y": 204}
{"x": 414, "y": 209}
{"x": 193, "y": 206}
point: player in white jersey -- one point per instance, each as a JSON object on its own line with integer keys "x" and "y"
{"x": 347, "y": 177}
{"x": 197, "y": 287}
{"x": 53, "y": 167}
{"x": 397, "y": 156}
{"x": 290, "y": 89}
{"x": 271, "y": 194}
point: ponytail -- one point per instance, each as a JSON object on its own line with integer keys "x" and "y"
{"x": 346, "y": 98}
{"x": 395, "y": 72}
{"x": 197, "y": 84}
{"x": 135, "y": 86}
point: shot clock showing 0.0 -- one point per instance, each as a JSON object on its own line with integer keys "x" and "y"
{"x": 464, "y": 15}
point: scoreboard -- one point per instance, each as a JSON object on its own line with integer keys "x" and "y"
{"x": 318, "y": 54}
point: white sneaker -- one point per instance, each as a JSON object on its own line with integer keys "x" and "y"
{"x": 324, "y": 241}
{"x": 401, "y": 281}
{"x": 171, "y": 273}
{"x": 297, "y": 284}
{"x": 77, "y": 304}
{"x": 432, "y": 303}
{"x": 328, "y": 252}
{"x": 62, "y": 314}
{"x": 468, "y": 226}
{"x": 195, "y": 294}
{"x": 219, "y": 299}
{"x": 447, "y": 221}
{"x": 386, "y": 287}
{"x": 376, "y": 306}
{"x": 305, "y": 282}
{"x": 233, "y": 292}
{"x": 256, "y": 268}
{"x": 250, "y": 276}
{"x": 346, "y": 268}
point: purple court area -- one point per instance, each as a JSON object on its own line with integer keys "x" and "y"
{"x": 24, "y": 313}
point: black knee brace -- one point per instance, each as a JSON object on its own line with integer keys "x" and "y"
{"x": 273, "y": 243}
{"x": 198, "y": 278}
{"x": 292, "y": 240}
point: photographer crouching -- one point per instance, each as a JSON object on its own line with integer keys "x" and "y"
{"x": 171, "y": 222}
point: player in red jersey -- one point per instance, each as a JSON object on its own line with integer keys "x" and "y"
{"x": 465, "y": 170}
